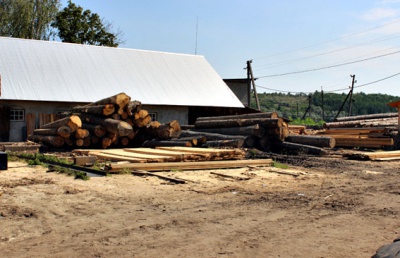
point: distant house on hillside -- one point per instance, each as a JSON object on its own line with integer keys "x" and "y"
{"x": 43, "y": 77}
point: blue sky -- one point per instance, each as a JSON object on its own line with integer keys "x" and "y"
{"x": 284, "y": 39}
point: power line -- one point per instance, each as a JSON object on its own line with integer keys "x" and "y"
{"x": 329, "y": 41}
{"x": 330, "y": 66}
{"x": 271, "y": 65}
{"x": 331, "y": 91}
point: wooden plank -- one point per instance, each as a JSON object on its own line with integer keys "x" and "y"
{"x": 160, "y": 152}
{"x": 211, "y": 153}
{"x": 122, "y": 153}
{"x": 199, "y": 150}
{"x": 355, "y": 130}
{"x": 230, "y": 176}
{"x": 378, "y": 155}
{"x": 83, "y": 160}
{"x": 201, "y": 165}
{"x": 363, "y": 142}
{"x": 112, "y": 157}
{"x": 171, "y": 179}
{"x": 387, "y": 159}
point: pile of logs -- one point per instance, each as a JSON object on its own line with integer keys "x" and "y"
{"x": 249, "y": 130}
{"x": 113, "y": 121}
{"x": 367, "y": 131}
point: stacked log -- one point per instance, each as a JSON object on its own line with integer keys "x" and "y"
{"x": 56, "y": 133}
{"x": 367, "y": 131}
{"x": 111, "y": 122}
{"x": 247, "y": 130}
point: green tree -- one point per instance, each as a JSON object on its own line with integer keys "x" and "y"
{"x": 28, "y": 19}
{"x": 76, "y": 25}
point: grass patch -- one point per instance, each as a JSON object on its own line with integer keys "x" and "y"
{"x": 125, "y": 171}
{"x": 41, "y": 160}
{"x": 81, "y": 175}
{"x": 279, "y": 165}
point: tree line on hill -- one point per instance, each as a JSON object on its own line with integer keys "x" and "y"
{"x": 323, "y": 107}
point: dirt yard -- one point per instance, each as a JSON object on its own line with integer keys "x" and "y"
{"x": 334, "y": 208}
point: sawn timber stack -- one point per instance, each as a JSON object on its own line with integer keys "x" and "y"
{"x": 367, "y": 131}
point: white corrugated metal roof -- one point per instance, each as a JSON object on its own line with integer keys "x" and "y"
{"x": 53, "y": 71}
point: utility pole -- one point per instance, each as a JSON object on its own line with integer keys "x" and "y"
{"x": 251, "y": 76}
{"x": 351, "y": 92}
{"x": 322, "y": 104}
{"x": 345, "y": 100}
{"x": 308, "y": 110}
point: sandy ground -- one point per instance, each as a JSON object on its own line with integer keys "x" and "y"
{"x": 335, "y": 208}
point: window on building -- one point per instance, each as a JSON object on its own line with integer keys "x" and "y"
{"x": 17, "y": 115}
{"x": 153, "y": 116}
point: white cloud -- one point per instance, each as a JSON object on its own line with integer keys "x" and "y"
{"x": 380, "y": 13}
{"x": 389, "y": 1}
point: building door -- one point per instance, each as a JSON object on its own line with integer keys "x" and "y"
{"x": 4, "y": 123}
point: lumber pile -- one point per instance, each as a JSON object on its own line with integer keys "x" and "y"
{"x": 172, "y": 158}
{"x": 163, "y": 154}
{"x": 368, "y": 131}
{"x": 202, "y": 165}
{"x": 377, "y": 155}
{"x": 114, "y": 121}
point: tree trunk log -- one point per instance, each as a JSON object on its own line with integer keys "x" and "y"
{"x": 264, "y": 122}
{"x": 100, "y": 110}
{"x": 63, "y": 131}
{"x": 362, "y": 123}
{"x": 196, "y": 141}
{"x": 141, "y": 118}
{"x": 317, "y": 141}
{"x": 278, "y": 133}
{"x": 93, "y": 129}
{"x": 73, "y": 122}
{"x": 366, "y": 117}
{"x": 244, "y": 116}
{"x": 106, "y": 142}
{"x": 124, "y": 141}
{"x": 81, "y": 133}
{"x": 55, "y": 141}
{"x": 210, "y": 136}
{"x": 255, "y": 130}
{"x": 133, "y": 107}
{"x": 118, "y": 127}
{"x": 153, "y": 144}
{"x": 237, "y": 143}
{"x": 121, "y": 100}
{"x": 86, "y": 142}
{"x": 79, "y": 142}
{"x": 163, "y": 131}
